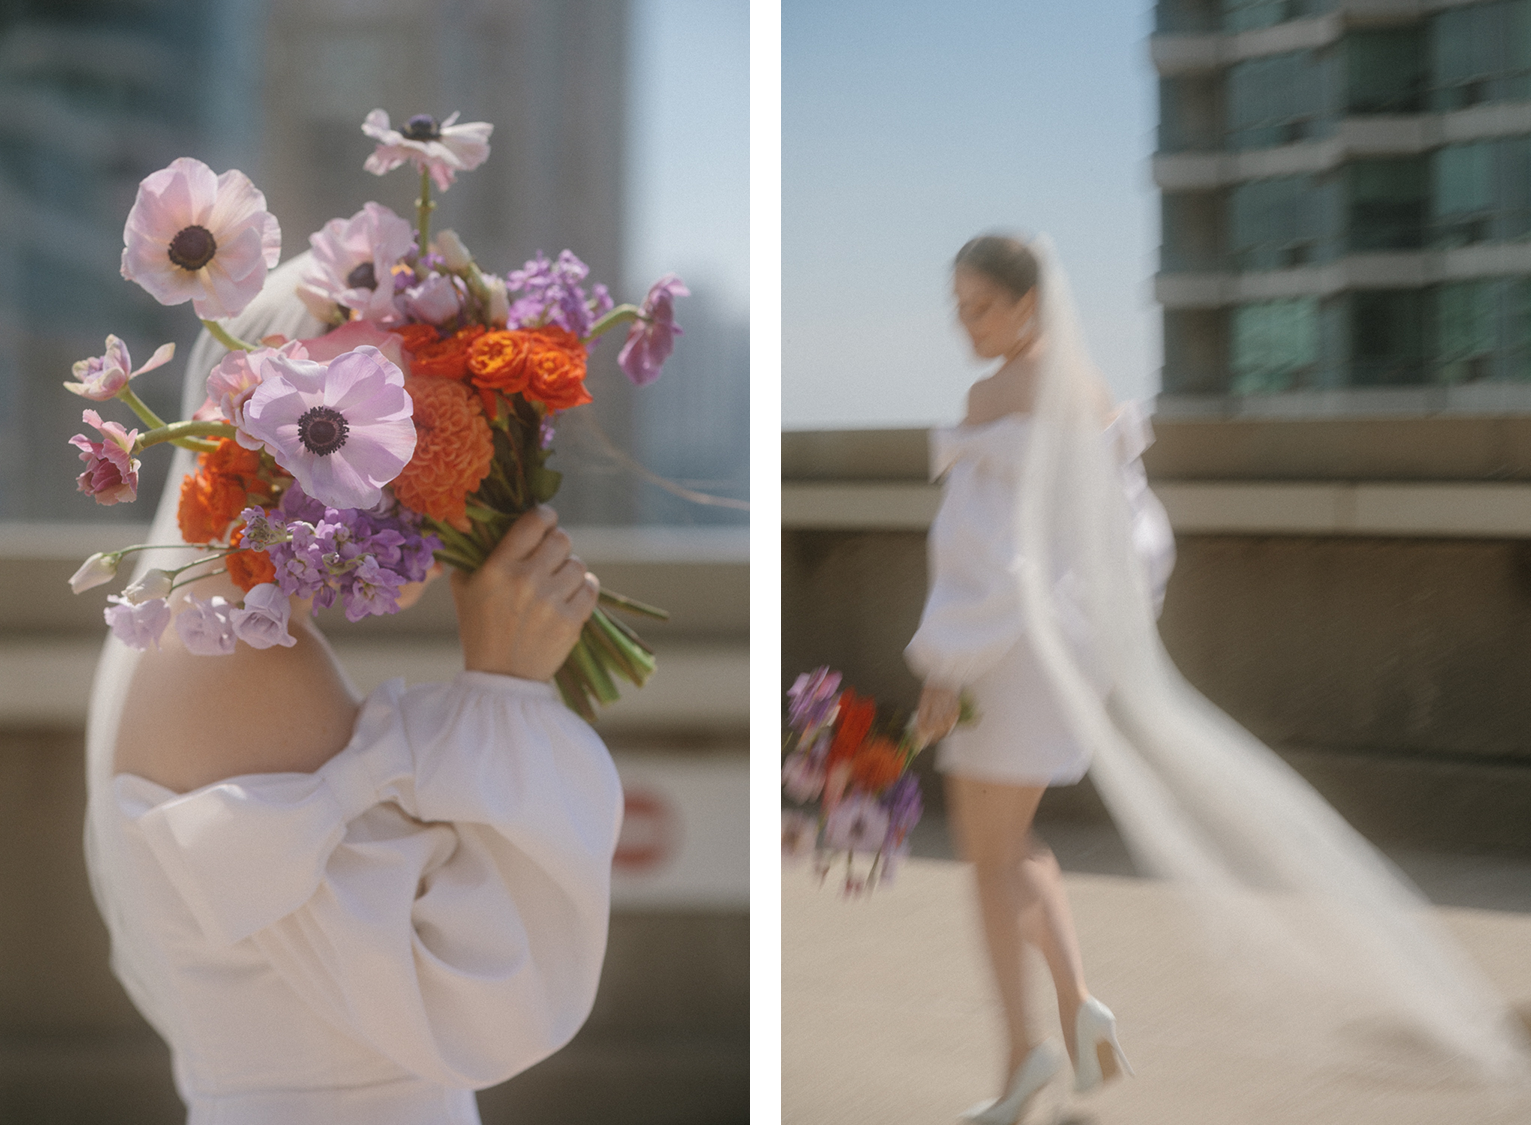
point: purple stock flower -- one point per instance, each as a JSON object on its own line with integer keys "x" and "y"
{"x": 652, "y": 336}
{"x": 137, "y": 626}
{"x": 343, "y": 429}
{"x": 812, "y": 699}
{"x": 904, "y": 807}
{"x": 360, "y": 557}
{"x": 551, "y": 293}
{"x": 545, "y": 431}
{"x": 206, "y": 627}
{"x": 858, "y": 824}
{"x": 262, "y": 621}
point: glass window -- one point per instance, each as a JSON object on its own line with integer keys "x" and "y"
{"x": 1192, "y": 225}
{"x": 1385, "y": 71}
{"x": 1480, "y": 53}
{"x": 1190, "y": 117}
{"x": 1386, "y": 205}
{"x": 1187, "y": 17}
{"x": 1278, "y": 100}
{"x": 1274, "y": 345}
{"x": 1465, "y": 330}
{"x": 1463, "y": 197}
{"x": 1248, "y": 15}
{"x": 1517, "y": 330}
{"x": 1276, "y": 223}
{"x": 1386, "y": 337}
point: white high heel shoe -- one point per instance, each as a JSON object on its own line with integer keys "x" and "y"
{"x": 1095, "y": 1047}
{"x": 1040, "y": 1067}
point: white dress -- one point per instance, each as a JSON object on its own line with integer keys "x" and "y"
{"x": 973, "y": 634}
{"x": 424, "y": 915}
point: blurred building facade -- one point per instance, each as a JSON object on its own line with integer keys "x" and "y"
{"x": 1346, "y": 198}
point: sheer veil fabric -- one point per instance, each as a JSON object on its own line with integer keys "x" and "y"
{"x": 1316, "y": 928}
{"x": 276, "y": 310}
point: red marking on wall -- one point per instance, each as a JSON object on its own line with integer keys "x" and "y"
{"x": 650, "y": 830}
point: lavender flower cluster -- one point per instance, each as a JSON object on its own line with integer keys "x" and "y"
{"x": 324, "y": 553}
{"x": 551, "y": 293}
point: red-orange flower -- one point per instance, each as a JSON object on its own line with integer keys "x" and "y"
{"x": 877, "y": 765}
{"x": 546, "y": 365}
{"x": 453, "y": 450}
{"x": 248, "y": 569}
{"x": 447, "y": 358}
{"x": 417, "y": 336}
{"x": 857, "y": 713}
{"x": 227, "y": 480}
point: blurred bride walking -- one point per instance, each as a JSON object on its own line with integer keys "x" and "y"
{"x": 1049, "y": 558}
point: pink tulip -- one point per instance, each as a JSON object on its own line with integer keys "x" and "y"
{"x": 102, "y": 377}
{"x": 111, "y": 471}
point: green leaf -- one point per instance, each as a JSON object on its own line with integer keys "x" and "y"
{"x": 545, "y": 483}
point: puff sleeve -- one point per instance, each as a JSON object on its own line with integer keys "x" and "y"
{"x": 440, "y": 889}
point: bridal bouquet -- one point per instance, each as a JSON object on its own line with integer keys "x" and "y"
{"x": 417, "y": 427}
{"x": 847, "y": 777}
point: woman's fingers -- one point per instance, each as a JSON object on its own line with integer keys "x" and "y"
{"x": 525, "y": 536}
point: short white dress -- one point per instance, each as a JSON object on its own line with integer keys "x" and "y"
{"x": 972, "y": 633}
{"x": 424, "y": 915}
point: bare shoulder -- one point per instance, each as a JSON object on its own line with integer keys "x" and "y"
{"x": 190, "y": 721}
{"x": 995, "y": 397}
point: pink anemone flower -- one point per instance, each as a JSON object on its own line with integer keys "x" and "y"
{"x": 443, "y": 148}
{"x": 352, "y": 265}
{"x": 652, "y": 336}
{"x": 101, "y": 377}
{"x": 111, "y": 470}
{"x": 233, "y": 383}
{"x": 199, "y": 237}
{"x": 343, "y": 429}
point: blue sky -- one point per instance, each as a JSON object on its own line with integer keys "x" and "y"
{"x": 908, "y": 127}
{"x": 688, "y": 166}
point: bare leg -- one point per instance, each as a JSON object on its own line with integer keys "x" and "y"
{"x": 1048, "y": 924}
{"x": 992, "y": 825}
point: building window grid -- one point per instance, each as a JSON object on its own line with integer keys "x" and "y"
{"x": 1280, "y": 99}
{"x": 1480, "y": 53}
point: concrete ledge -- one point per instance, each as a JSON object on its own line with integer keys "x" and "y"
{"x": 46, "y": 682}
{"x": 1460, "y": 511}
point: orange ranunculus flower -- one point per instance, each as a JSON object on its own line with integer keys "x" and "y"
{"x": 546, "y": 365}
{"x": 227, "y": 480}
{"x": 557, "y": 363}
{"x": 877, "y": 765}
{"x": 447, "y": 358}
{"x": 248, "y": 569}
{"x": 453, "y": 450}
{"x": 857, "y": 713}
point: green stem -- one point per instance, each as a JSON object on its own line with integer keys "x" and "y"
{"x": 174, "y": 586}
{"x": 423, "y": 208}
{"x": 619, "y": 315}
{"x": 226, "y": 338}
{"x": 633, "y": 606}
{"x": 177, "y": 431}
{"x": 139, "y": 407}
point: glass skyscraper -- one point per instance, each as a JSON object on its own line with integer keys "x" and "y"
{"x": 1346, "y": 194}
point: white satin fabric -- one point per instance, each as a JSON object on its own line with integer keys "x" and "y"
{"x": 423, "y": 916}
{"x": 972, "y": 633}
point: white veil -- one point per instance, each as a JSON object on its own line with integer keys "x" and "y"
{"x": 277, "y": 309}
{"x": 1295, "y": 896}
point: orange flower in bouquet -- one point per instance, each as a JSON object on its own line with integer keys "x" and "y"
{"x": 453, "y": 451}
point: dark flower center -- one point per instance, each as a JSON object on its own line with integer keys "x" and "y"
{"x": 421, "y": 127}
{"x": 362, "y": 277}
{"x": 193, "y": 248}
{"x": 322, "y": 430}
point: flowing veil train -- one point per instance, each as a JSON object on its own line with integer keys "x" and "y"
{"x": 1298, "y": 903}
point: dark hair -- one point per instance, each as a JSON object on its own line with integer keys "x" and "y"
{"x": 1008, "y": 261}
